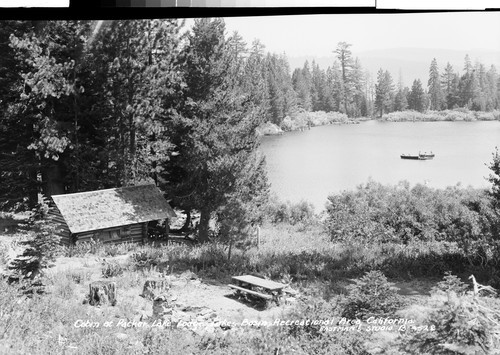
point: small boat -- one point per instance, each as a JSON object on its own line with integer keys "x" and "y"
{"x": 420, "y": 156}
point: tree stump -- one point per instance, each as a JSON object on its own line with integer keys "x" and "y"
{"x": 155, "y": 287}
{"x": 162, "y": 308}
{"x": 102, "y": 293}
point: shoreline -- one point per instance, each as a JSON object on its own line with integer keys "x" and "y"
{"x": 305, "y": 123}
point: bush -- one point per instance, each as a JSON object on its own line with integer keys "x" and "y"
{"x": 290, "y": 213}
{"x": 40, "y": 252}
{"x": 463, "y": 324}
{"x": 371, "y": 295}
{"x": 445, "y": 115}
{"x": 450, "y": 283}
{"x": 378, "y": 213}
{"x": 314, "y": 339}
{"x": 111, "y": 269}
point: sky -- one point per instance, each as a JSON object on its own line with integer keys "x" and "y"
{"x": 318, "y": 35}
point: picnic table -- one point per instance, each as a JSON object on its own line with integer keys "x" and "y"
{"x": 269, "y": 290}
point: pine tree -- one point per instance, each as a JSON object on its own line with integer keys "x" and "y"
{"x": 434, "y": 87}
{"x": 214, "y": 130}
{"x": 344, "y": 56}
{"x": 136, "y": 80}
{"x": 492, "y": 88}
{"x": 256, "y": 83}
{"x": 318, "y": 88}
{"x": 359, "y": 106}
{"x": 302, "y": 84}
{"x": 384, "y": 92}
{"x": 400, "y": 100}
{"x": 449, "y": 82}
{"x": 282, "y": 96}
{"x": 416, "y": 97}
{"x": 41, "y": 105}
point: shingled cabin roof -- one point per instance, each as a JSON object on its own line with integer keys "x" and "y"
{"x": 94, "y": 210}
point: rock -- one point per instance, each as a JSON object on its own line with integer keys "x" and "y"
{"x": 121, "y": 336}
{"x": 212, "y": 315}
{"x": 205, "y": 311}
{"x": 162, "y": 307}
{"x": 188, "y": 275}
{"x": 290, "y": 291}
{"x": 180, "y": 305}
{"x": 269, "y": 128}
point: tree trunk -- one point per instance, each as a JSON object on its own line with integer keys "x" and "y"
{"x": 185, "y": 227}
{"x": 53, "y": 180}
{"x": 32, "y": 188}
{"x": 230, "y": 250}
{"x": 258, "y": 236}
{"x": 204, "y": 226}
{"x": 102, "y": 293}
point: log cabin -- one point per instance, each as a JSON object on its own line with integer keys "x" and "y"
{"x": 110, "y": 216}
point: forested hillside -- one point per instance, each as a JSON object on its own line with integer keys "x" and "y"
{"x": 96, "y": 104}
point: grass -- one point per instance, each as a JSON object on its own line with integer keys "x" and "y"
{"x": 301, "y": 254}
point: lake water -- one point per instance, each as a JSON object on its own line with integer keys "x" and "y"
{"x": 312, "y": 164}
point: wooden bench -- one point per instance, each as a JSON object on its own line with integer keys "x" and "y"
{"x": 255, "y": 293}
{"x": 245, "y": 283}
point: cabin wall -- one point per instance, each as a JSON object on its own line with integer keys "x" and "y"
{"x": 62, "y": 229}
{"x": 132, "y": 233}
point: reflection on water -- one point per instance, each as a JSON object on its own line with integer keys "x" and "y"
{"x": 311, "y": 165}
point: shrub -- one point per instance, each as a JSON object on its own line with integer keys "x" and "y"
{"x": 291, "y": 213}
{"x": 111, "y": 269}
{"x": 463, "y": 324}
{"x": 445, "y": 115}
{"x": 40, "y": 252}
{"x": 378, "y": 213}
{"x": 371, "y": 295}
{"x": 449, "y": 284}
{"x": 314, "y": 339}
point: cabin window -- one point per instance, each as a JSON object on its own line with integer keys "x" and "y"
{"x": 109, "y": 234}
{"x": 114, "y": 234}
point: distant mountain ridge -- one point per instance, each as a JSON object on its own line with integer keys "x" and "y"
{"x": 413, "y": 63}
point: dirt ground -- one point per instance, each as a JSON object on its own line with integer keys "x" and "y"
{"x": 186, "y": 288}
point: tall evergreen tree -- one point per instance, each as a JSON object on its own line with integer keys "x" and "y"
{"x": 416, "y": 97}
{"x": 136, "y": 64}
{"x": 318, "y": 88}
{"x": 449, "y": 82}
{"x": 282, "y": 97}
{"x": 302, "y": 84}
{"x": 214, "y": 131}
{"x": 41, "y": 104}
{"x": 256, "y": 83}
{"x": 344, "y": 57}
{"x": 384, "y": 92}
{"x": 434, "y": 87}
{"x": 359, "y": 105}
{"x": 492, "y": 88}
{"x": 400, "y": 100}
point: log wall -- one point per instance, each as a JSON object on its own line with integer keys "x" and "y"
{"x": 132, "y": 233}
